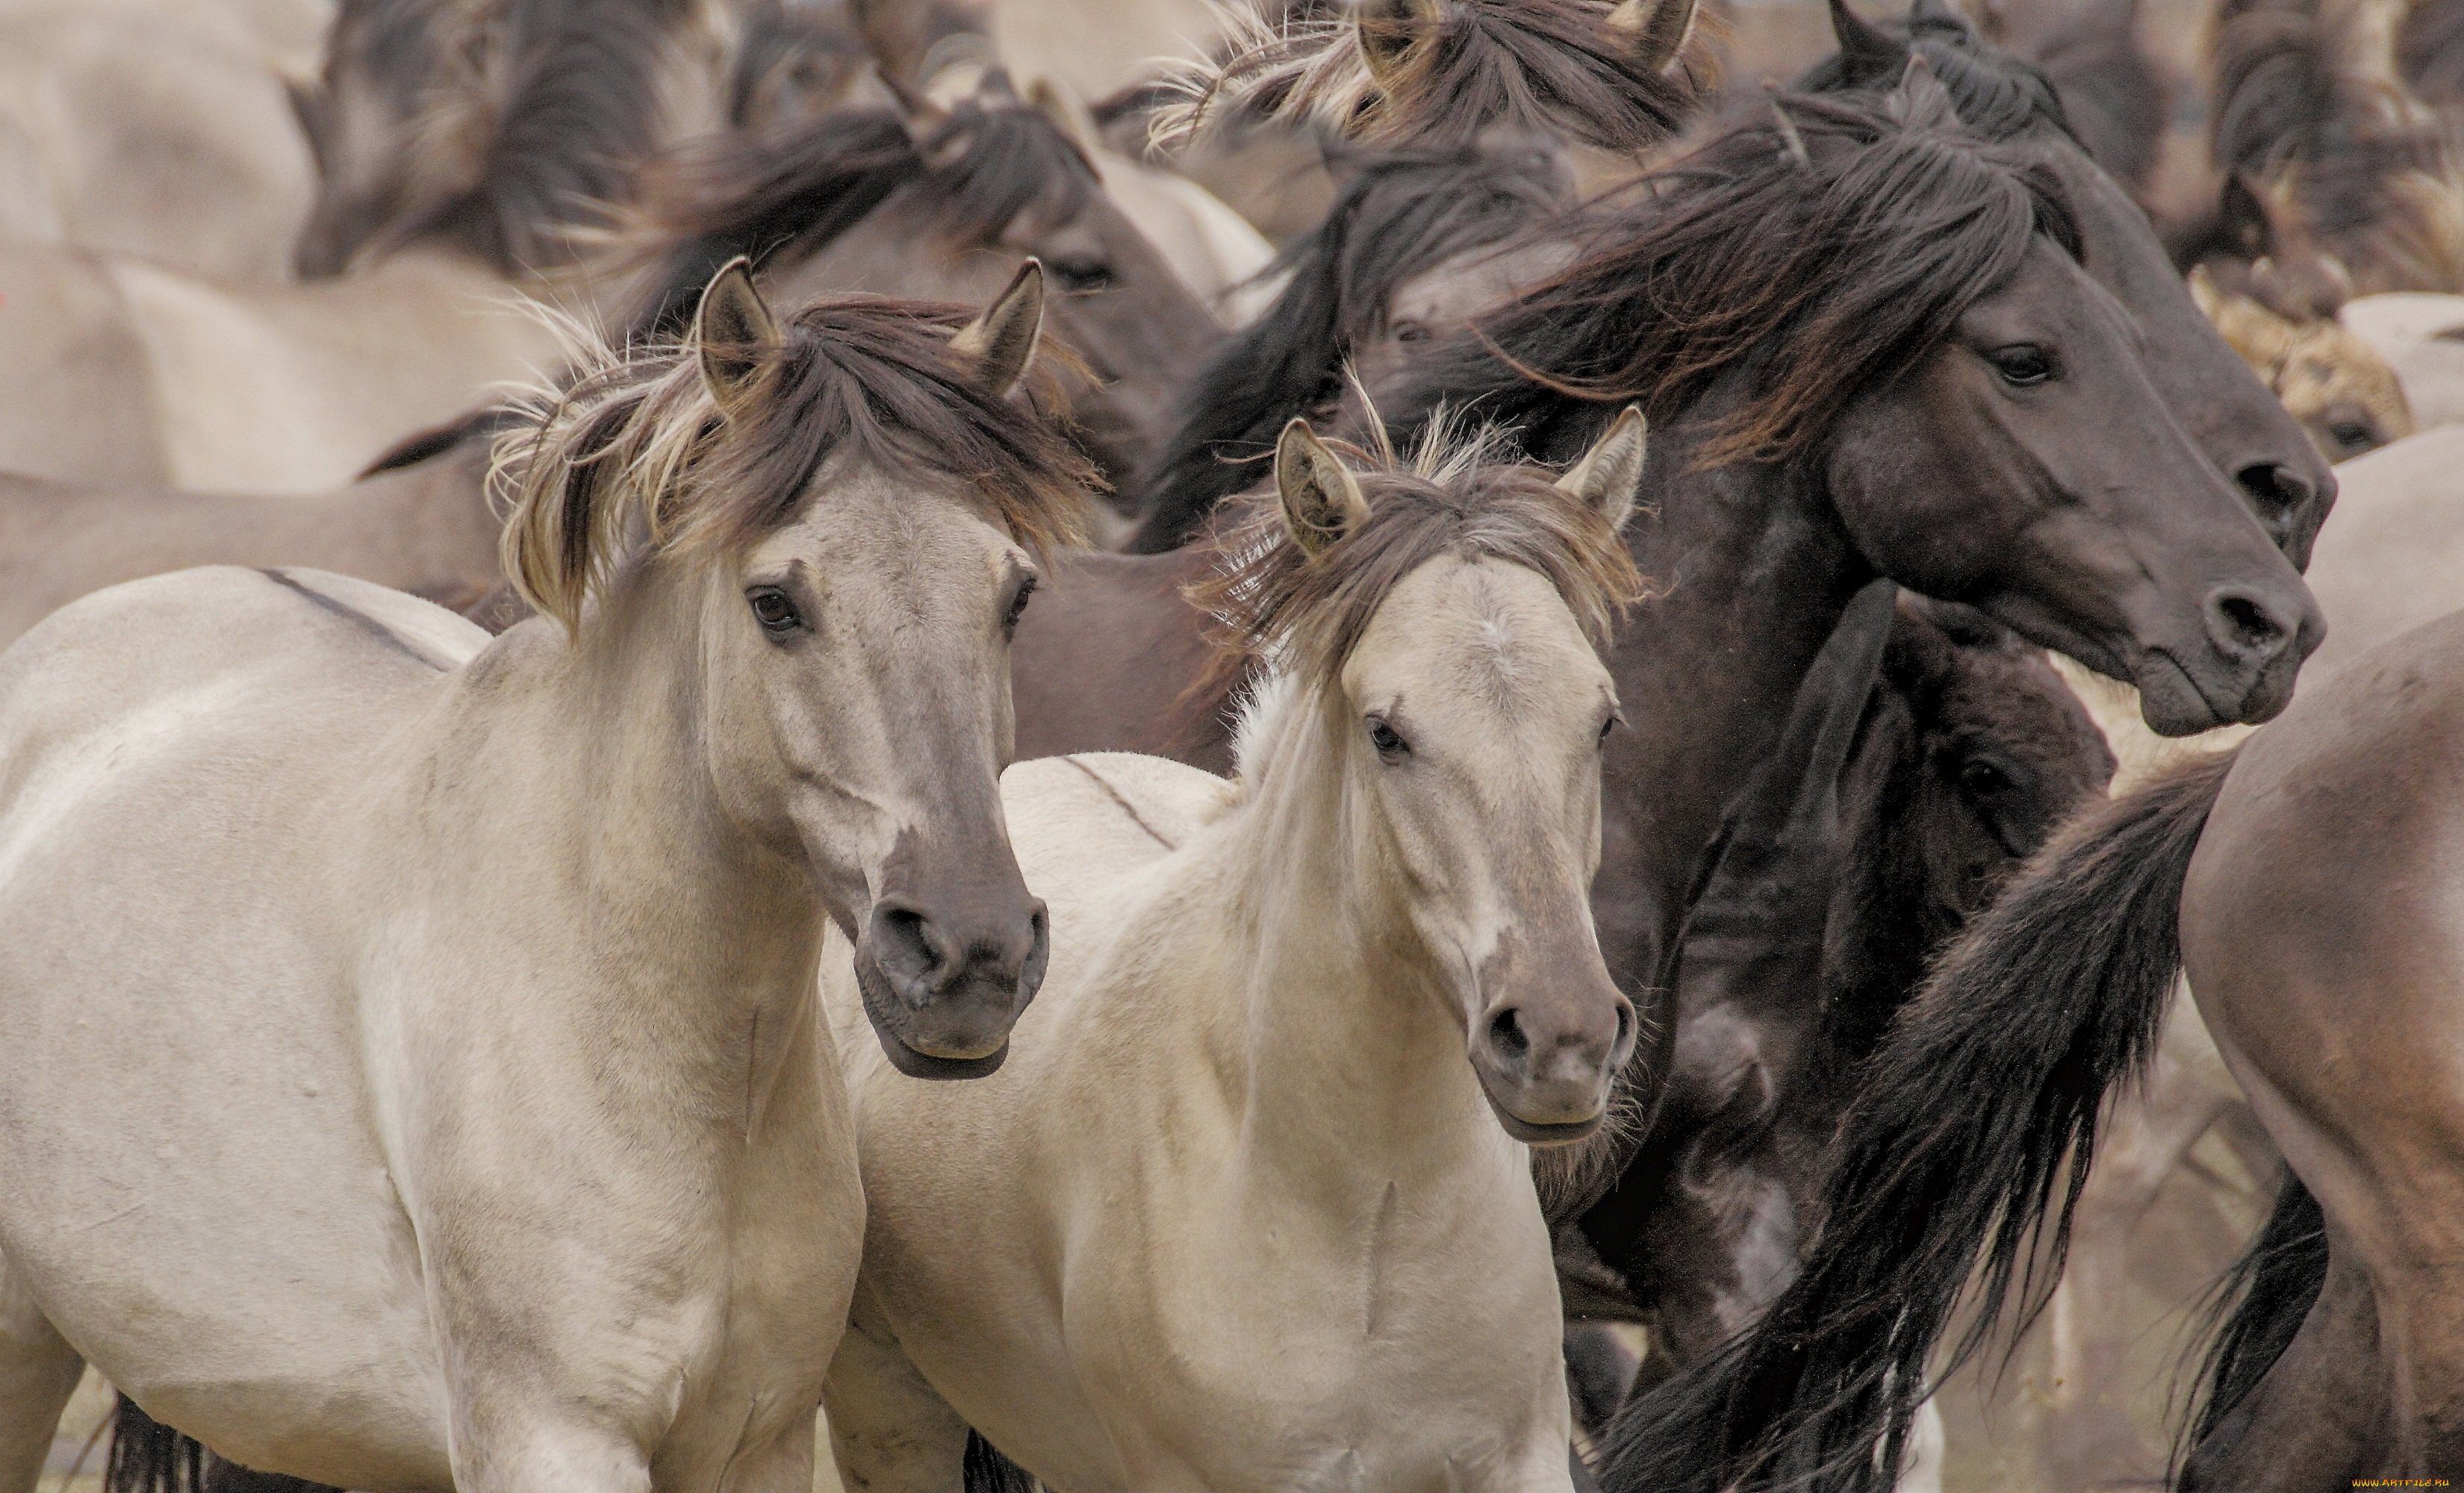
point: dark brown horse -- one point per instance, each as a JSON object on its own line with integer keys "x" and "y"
{"x": 1926, "y": 756}
{"x": 1816, "y": 380}
{"x": 2306, "y": 888}
{"x": 923, "y": 201}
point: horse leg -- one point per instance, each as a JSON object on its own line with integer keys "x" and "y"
{"x": 2315, "y": 1419}
{"x": 39, "y": 1372}
{"x": 891, "y": 1432}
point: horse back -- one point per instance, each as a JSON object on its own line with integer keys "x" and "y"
{"x": 195, "y": 663}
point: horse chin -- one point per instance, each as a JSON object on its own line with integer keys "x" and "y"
{"x": 923, "y": 1064}
{"x": 2174, "y": 704}
{"x": 883, "y": 1008}
{"x": 1538, "y": 1134}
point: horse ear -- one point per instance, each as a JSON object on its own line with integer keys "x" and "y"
{"x": 1863, "y": 48}
{"x": 1389, "y": 29}
{"x": 1659, "y": 28}
{"x": 735, "y": 333}
{"x": 1322, "y": 499}
{"x": 1001, "y": 341}
{"x": 1048, "y": 100}
{"x": 1606, "y": 478}
{"x": 1921, "y": 101}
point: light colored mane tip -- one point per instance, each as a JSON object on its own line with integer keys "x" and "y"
{"x": 1304, "y": 71}
{"x": 1297, "y": 611}
{"x": 634, "y": 453}
{"x": 1265, "y": 703}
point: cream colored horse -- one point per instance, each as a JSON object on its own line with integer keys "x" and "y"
{"x": 1249, "y": 1209}
{"x": 426, "y": 528}
{"x": 152, "y": 129}
{"x": 410, "y": 1070}
{"x": 2423, "y": 337}
{"x": 115, "y": 370}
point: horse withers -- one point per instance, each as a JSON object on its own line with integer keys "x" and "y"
{"x": 452, "y": 1003}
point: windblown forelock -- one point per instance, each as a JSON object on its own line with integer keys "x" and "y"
{"x": 1833, "y": 243}
{"x": 1269, "y": 601}
{"x": 635, "y": 456}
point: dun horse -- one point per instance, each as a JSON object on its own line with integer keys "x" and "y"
{"x": 470, "y": 1124}
{"x": 1238, "y": 1212}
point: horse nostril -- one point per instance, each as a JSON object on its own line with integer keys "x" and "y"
{"x": 1505, "y": 1034}
{"x": 2242, "y": 624}
{"x": 1624, "y": 1026}
{"x": 906, "y": 946}
{"x": 2276, "y": 489}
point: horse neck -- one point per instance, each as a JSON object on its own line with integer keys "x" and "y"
{"x": 1353, "y": 1072}
{"x": 692, "y": 920}
{"x": 1757, "y": 572}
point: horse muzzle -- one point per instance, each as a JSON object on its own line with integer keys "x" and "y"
{"x": 943, "y": 987}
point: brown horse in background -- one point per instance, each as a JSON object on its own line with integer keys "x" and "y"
{"x": 922, "y": 200}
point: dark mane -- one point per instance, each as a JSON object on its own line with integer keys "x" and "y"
{"x": 1400, "y": 213}
{"x": 567, "y": 106}
{"x": 1824, "y": 242}
{"x": 2114, "y": 100}
{"x": 1552, "y": 66}
{"x": 788, "y": 194}
{"x": 1272, "y": 602}
{"x": 637, "y": 449}
{"x": 1999, "y": 96}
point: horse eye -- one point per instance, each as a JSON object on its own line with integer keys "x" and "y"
{"x": 773, "y": 610}
{"x": 1017, "y": 606}
{"x": 1982, "y": 778}
{"x": 2023, "y": 364}
{"x": 1608, "y": 724}
{"x": 1080, "y": 275}
{"x": 1388, "y": 741}
{"x": 1411, "y": 332}
{"x": 2352, "y": 437}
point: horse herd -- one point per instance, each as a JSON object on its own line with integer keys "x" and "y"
{"x": 544, "y": 936}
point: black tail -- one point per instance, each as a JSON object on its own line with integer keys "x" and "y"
{"x": 1989, "y": 1083}
{"x": 985, "y": 1470}
{"x": 149, "y": 1456}
{"x": 2262, "y": 1300}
